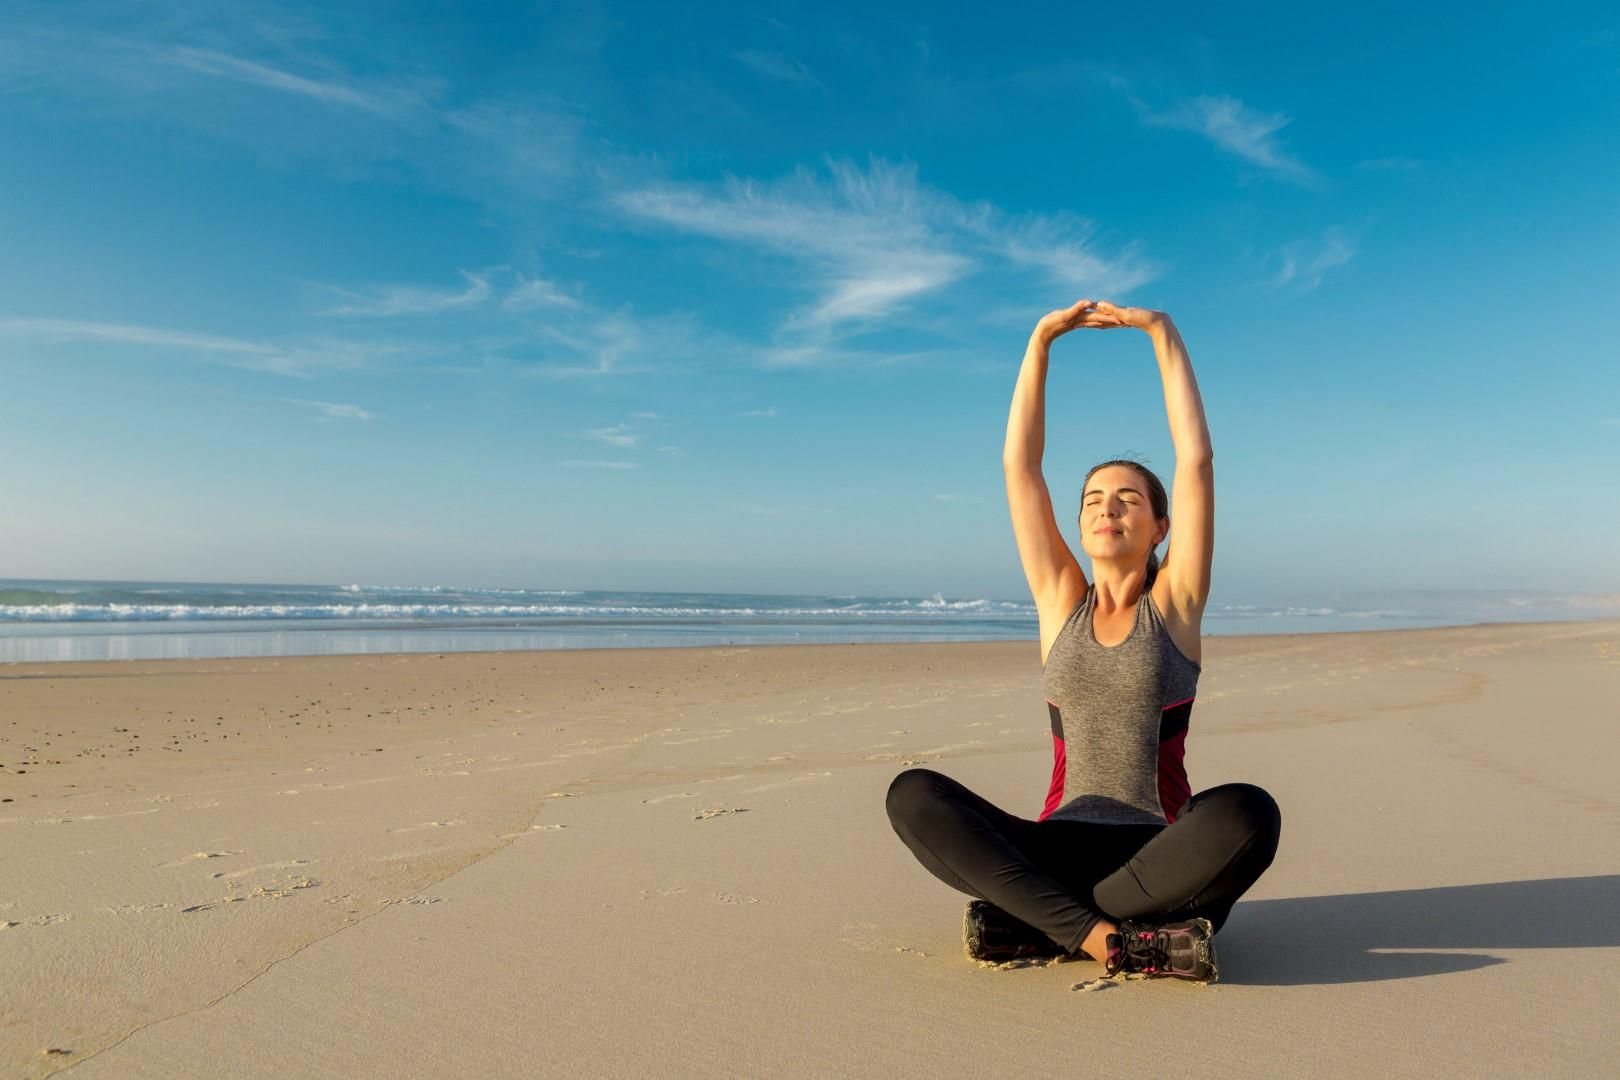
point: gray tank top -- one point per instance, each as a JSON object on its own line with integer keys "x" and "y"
{"x": 1119, "y": 718}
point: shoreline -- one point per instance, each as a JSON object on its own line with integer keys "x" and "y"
{"x": 6, "y": 665}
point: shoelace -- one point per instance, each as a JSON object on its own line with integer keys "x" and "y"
{"x": 1146, "y": 951}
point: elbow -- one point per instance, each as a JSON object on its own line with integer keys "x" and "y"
{"x": 1020, "y": 462}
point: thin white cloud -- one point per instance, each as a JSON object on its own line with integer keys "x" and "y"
{"x": 532, "y": 293}
{"x": 254, "y": 73}
{"x": 603, "y": 343}
{"x": 1305, "y": 263}
{"x": 127, "y": 334}
{"x": 759, "y": 412}
{"x": 575, "y": 463}
{"x": 830, "y": 356}
{"x": 299, "y": 359}
{"x": 865, "y": 235}
{"x": 607, "y": 344}
{"x": 673, "y": 451}
{"x": 776, "y": 65}
{"x": 1235, "y": 128}
{"x": 618, "y": 435}
{"x": 337, "y": 411}
{"x": 384, "y": 301}
{"x": 877, "y": 240}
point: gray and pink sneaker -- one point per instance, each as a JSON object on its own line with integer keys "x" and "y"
{"x": 1182, "y": 950}
{"x": 992, "y": 935}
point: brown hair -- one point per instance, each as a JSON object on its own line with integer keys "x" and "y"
{"x": 1157, "y": 497}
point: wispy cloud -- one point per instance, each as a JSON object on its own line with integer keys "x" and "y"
{"x": 617, "y": 435}
{"x": 127, "y": 334}
{"x": 759, "y": 412}
{"x": 865, "y": 236}
{"x": 336, "y": 411}
{"x": 300, "y": 359}
{"x": 249, "y": 81}
{"x": 609, "y": 344}
{"x": 1304, "y": 263}
{"x": 530, "y": 293}
{"x": 775, "y": 65}
{"x": 389, "y": 300}
{"x": 1234, "y": 127}
{"x": 876, "y": 240}
{"x": 331, "y": 91}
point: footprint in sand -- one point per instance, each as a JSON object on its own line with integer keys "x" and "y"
{"x": 134, "y": 909}
{"x": 267, "y": 866}
{"x": 276, "y": 893}
{"x": 390, "y": 900}
{"x": 718, "y": 811}
{"x": 648, "y": 894}
{"x": 666, "y": 798}
{"x": 430, "y": 825}
{"x": 785, "y": 783}
{"x": 199, "y": 855}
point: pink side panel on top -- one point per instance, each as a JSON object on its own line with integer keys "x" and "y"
{"x": 1174, "y": 791}
{"x": 1054, "y": 792}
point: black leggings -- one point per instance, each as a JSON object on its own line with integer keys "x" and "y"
{"x": 1061, "y": 877}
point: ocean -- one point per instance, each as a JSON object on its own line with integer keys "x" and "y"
{"x": 134, "y": 620}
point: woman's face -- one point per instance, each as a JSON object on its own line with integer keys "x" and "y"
{"x": 1116, "y": 516}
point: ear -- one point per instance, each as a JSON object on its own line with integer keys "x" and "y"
{"x": 1164, "y": 531}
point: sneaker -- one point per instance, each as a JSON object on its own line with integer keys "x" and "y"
{"x": 992, "y": 934}
{"x": 1183, "y": 950}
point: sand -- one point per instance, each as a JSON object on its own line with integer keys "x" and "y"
{"x": 675, "y": 862}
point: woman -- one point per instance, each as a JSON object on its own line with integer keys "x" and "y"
{"x": 1123, "y": 865}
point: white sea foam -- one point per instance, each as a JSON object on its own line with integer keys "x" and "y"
{"x": 36, "y": 613}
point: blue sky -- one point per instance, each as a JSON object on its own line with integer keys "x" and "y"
{"x": 620, "y": 296}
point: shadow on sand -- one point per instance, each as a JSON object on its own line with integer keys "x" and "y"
{"x": 1316, "y": 940}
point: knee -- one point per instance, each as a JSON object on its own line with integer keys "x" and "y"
{"x": 910, "y": 794}
{"x": 1251, "y": 809}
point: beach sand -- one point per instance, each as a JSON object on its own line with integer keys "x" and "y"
{"x": 675, "y": 862}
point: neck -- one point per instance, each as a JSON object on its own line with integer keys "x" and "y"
{"x": 1115, "y": 586}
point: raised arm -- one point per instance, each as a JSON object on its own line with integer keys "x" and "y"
{"x": 1186, "y": 565}
{"x": 1049, "y": 566}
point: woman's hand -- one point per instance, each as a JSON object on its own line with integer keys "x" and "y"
{"x": 1095, "y": 315}
{"x": 1134, "y": 317}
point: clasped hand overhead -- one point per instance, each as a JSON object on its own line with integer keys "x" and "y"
{"x": 1095, "y": 315}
